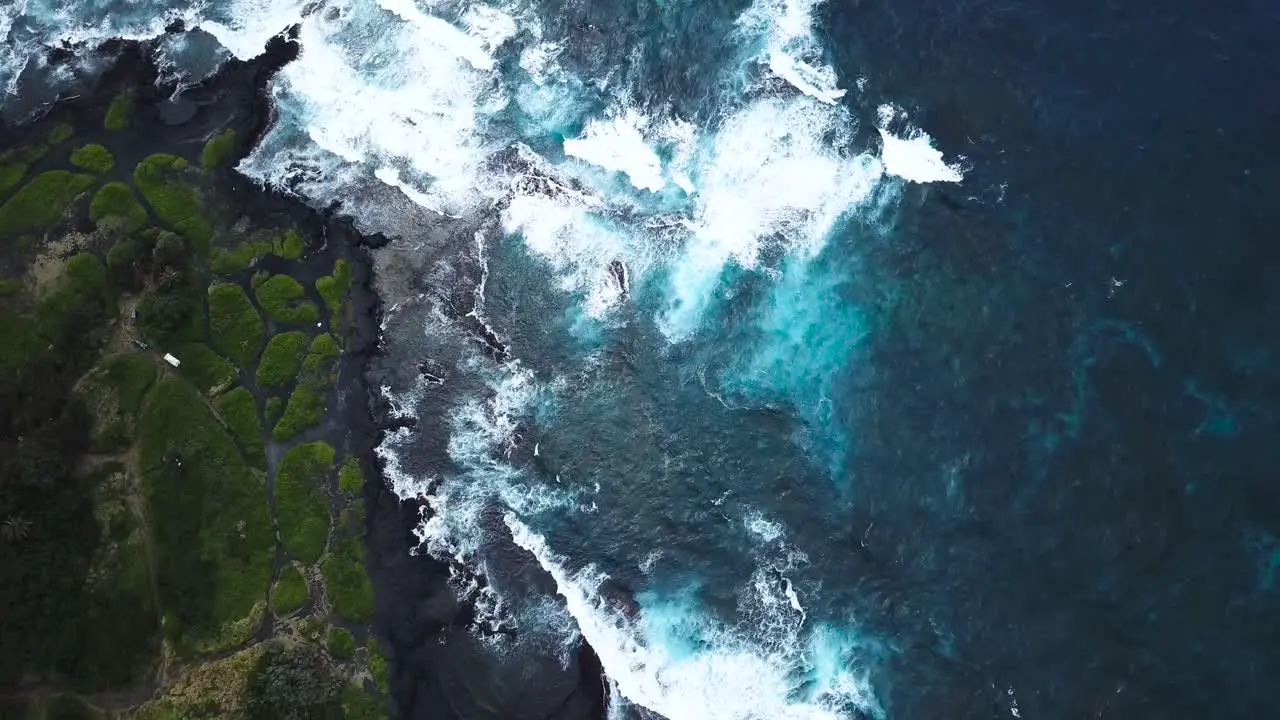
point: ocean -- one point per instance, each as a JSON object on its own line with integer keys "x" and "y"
{"x": 805, "y": 360}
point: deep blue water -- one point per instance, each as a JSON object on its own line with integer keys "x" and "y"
{"x": 996, "y": 448}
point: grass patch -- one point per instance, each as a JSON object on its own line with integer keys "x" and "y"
{"x": 113, "y": 393}
{"x": 94, "y": 158}
{"x": 378, "y": 665}
{"x": 218, "y": 150}
{"x": 41, "y": 202}
{"x": 240, "y": 412}
{"x": 206, "y": 369}
{"x": 209, "y": 520}
{"x": 283, "y": 298}
{"x": 115, "y": 199}
{"x": 333, "y": 290}
{"x": 346, "y": 581}
{"x": 350, "y": 478}
{"x": 119, "y": 112}
{"x": 61, "y": 133}
{"x": 12, "y": 171}
{"x": 173, "y": 200}
{"x": 287, "y": 245}
{"x": 307, "y": 402}
{"x": 290, "y": 591}
{"x": 360, "y": 705}
{"x": 302, "y": 509}
{"x": 342, "y": 644}
{"x": 236, "y": 326}
{"x": 281, "y": 359}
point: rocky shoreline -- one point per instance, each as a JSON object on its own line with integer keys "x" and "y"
{"x": 414, "y": 606}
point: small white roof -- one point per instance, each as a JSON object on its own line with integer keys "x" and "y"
{"x": 172, "y": 360}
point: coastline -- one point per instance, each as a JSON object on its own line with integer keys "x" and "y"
{"x": 413, "y": 603}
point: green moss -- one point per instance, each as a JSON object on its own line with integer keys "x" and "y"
{"x": 61, "y": 133}
{"x": 302, "y": 509}
{"x": 240, "y": 412}
{"x": 119, "y": 112}
{"x": 346, "y": 581}
{"x": 272, "y": 410}
{"x": 11, "y": 173}
{"x": 287, "y": 245}
{"x": 378, "y": 666}
{"x": 290, "y": 591}
{"x": 282, "y": 298}
{"x": 174, "y": 201}
{"x": 281, "y": 359}
{"x": 115, "y": 199}
{"x": 41, "y": 202}
{"x": 360, "y": 705}
{"x": 350, "y": 478}
{"x": 307, "y": 402}
{"x": 333, "y": 290}
{"x": 236, "y": 326}
{"x": 342, "y": 645}
{"x": 206, "y": 369}
{"x": 94, "y": 158}
{"x": 218, "y": 150}
{"x": 212, "y": 533}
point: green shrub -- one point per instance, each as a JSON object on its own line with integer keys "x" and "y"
{"x": 360, "y": 705}
{"x": 293, "y": 682}
{"x": 346, "y": 581}
{"x": 94, "y": 158}
{"x": 61, "y": 133}
{"x": 218, "y": 150}
{"x": 236, "y": 326}
{"x": 212, "y": 533}
{"x": 307, "y": 402}
{"x": 115, "y": 199}
{"x": 119, "y": 112}
{"x": 281, "y": 360}
{"x": 290, "y": 591}
{"x": 287, "y": 245}
{"x": 173, "y": 200}
{"x": 239, "y": 411}
{"x": 41, "y": 202}
{"x": 206, "y": 369}
{"x": 282, "y": 298}
{"x": 302, "y": 509}
{"x": 350, "y": 478}
{"x": 342, "y": 645}
{"x": 378, "y": 665}
{"x": 173, "y": 315}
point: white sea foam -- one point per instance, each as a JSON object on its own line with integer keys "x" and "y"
{"x": 617, "y": 144}
{"x": 912, "y": 157}
{"x": 680, "y": 663}
{"x": 764, "y": 528}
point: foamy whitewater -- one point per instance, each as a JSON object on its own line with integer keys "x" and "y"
{"x": 693, "y": 238}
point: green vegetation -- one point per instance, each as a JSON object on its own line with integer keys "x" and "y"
{"x": 287, "y": 245}
{"x": 113, "y": 394}
{"x": 359, "y": 705}
{"x": 218, "y": 150}
{"x": 12, "y": 170}
{"x": 10, "y": 287}
{"x": 236, "y": 326}
{"x": 307, "y": 403}
{"x": 119, "y": 112}
{"x": 346, "y": 581}
{"x": 282, "y": 298}
{"x": 293, "y": 682}
{"x": 240, "y": 413}
{"x": 333, "y": 290}
{"x": 206, "y": 369}
{"x": 212, "y": 534}
{"x": 290, "y": 591}
{"x": 61, "y": 133}
{"x": 41, "y": 202}
{"x": 378, "y": 665}
{"x": 342, "y": 645}
{"x": 94, "y": 158}
{"x": 302, "y": 510}
{"x": 281, "y": 359}
{"x": 350, "y": 478}
{"x": 173, "y": 200}
{"x": 115, "y": 199}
